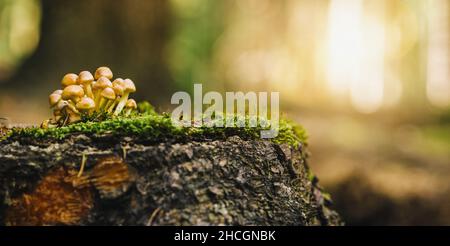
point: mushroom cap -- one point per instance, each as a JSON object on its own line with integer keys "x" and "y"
{"x": 62, "y": 104}
{"x": 102, "y": 83}
{"x": 129, "y": 85}
{"x": 85, "y": 77}
{"x": 118, "y": 81}
{"x": 53, "y": 99}
{"x": 69, "y": 79}
{"x": 72, "y": 92}
{"x": 103, "y": 72}
{"x": 108, "y": 93}
{"x": 118, "y": 89}
{"x": 57, "y": 92}
{"x": 131, "y": 103}
{"x": 85, "y": 103}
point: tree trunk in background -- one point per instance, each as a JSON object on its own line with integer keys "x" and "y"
{"x": 133, "y": 181}
{"x": 127, "y": 35}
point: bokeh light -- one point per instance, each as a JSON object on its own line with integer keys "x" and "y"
{"x": 369, "y": 79}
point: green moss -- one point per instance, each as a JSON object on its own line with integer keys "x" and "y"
{"x": 147, "y": 123}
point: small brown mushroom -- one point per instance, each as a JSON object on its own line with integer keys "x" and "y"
{"x": 85, "y": 105}
{"x": 107, "y": 97}
{"x": 57, "y": 92}
{"x": 103, "y": 72}
{"x": 118, "y": 81}
{"x": 69, "y": 111}
{"x": 64, "y": 104}
{"x": 48, "y": 124}
{"x": 57, "y": 115}
{"x": 73, "y": 92}
{"x": 85, "y": 78}
{"x": 61, "y": 105}
{"x": 119, "y": 90}
{"x": 73, "y": 116}
{"x": 53, "y": 99}
{"x": 129, "y": 106}
{"x": 101, "y": 84}
{"x": 69, "y": 79}
{"x": 129, "y": 88}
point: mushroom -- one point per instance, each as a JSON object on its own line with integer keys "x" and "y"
{"x": 57, "y": 114}
{"x": 85, "y": 78}
{"x": 119, "y": 90}
{"x": 69, "y": 79}
{"x": 73, "y": 93}
{"x": 61, "y": 105}
{"x": 107, "y": 97}
{"x": 69, "y": 111}
{"x": 129, "y": 88}
{"x": 93, "y": 86}
{"x": 73, "y": 116}
{"x": 53, "y": 99}
{"x": 85, "y": 105}
{"x": 57, "y": 92}
{"x": 119, "y": 81}
{"x": 47, "y": 124}
{"x": 129, "y": 106}
{"x": 87, "y": 92}
{"x": 103, "y": 72}
{"x": 101, "y": 84}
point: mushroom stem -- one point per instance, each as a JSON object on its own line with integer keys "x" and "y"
{"x": 72, "y": 107}
{"x": 73, "y": 117}
{"x": 97, "y": 98}
{"x": 57, "y": 115}
{"x": 47, "y": 124}
{"x": 111, "y": 107}
{"x": 88, "y": 91}
{"x": 108, "y": 104}
{"x": 101, "y": 103}
{"x": 121, "y": 103}
{"x": 65, "y": 120}
{"x": 129, "y": 106}
{"x": 105, "y": 103}
{"x": 128, "y": 111}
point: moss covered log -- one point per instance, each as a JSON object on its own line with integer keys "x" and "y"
{"x": 145, "y": 171}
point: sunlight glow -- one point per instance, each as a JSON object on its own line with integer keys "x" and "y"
{"x": 438, "y": 67}
{"x": 355, "y": 54}
{"x": 344, "y": 43}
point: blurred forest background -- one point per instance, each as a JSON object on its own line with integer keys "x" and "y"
{"x": 369, "y": 79}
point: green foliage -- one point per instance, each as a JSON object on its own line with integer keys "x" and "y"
{"x": 290, "y": 133}
{"x": 193, "y": 41}
{"x": 146, "y": 108}
{"x": 147, "y": 123}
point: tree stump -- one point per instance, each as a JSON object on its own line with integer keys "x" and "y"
{"x": 135, "y": 180}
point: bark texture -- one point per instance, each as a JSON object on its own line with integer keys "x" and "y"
{"x": 135, "y": 181}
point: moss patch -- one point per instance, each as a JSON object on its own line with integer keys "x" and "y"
{"x": 147, "y": 123}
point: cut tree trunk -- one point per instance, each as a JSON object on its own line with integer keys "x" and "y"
{"x": 135, "y": 181}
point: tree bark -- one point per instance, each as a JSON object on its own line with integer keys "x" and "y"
{"x": 136, "y": 181}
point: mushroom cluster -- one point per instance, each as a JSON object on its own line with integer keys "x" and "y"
{"x": 86, "y": 95}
